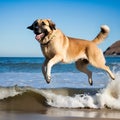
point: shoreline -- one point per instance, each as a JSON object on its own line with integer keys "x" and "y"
{"x": 83, "y": 115}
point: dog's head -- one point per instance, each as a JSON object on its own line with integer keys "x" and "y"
{"x": 41, "y": 28}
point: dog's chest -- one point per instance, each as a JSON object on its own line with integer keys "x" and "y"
{"x": 48, "y": 51}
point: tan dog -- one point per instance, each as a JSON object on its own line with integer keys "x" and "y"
{"x": 57, "y": 47}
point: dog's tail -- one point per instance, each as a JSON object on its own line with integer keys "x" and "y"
{"x": 102, "y": 35}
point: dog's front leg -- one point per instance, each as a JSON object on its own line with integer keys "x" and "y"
{"x": 44, "y": 67}
{"x": 56, "y": 59}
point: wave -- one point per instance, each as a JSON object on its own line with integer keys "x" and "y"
{"x": 108, "y": 97}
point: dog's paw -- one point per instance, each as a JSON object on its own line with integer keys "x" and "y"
{"x": 90, "y": 81}
{"x": 48, "y": 79}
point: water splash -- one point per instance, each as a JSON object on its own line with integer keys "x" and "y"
{"x": 107, "y": 97}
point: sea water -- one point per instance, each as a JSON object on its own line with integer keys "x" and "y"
{"x": 27, "y": 72}
{"x": 18, "y": 75}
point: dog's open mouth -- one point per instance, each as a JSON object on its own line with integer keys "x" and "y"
{"x": 40, "y": 36}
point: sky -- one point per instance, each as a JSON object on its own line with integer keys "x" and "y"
{"x": 76, "y": 18}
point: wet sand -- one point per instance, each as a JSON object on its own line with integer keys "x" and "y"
{"x": 4, "y": 115}
{"x": 58, "y": 113}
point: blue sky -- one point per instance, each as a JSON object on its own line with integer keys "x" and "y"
{"x": 76, "y": 18}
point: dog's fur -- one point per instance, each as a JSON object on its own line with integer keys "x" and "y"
{"x": 57, "y": 47}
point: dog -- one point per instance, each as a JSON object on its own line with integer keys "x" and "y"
{"x": 57, "y": 47}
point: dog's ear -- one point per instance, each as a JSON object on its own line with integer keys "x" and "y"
{"x": 51, "y": 24}
{"x": 30, "y": 27}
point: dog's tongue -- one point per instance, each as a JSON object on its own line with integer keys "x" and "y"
{"x": 40, "y": 36}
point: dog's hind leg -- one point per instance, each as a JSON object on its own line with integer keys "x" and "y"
{"x": 104, "y": 67}
{"x": 107, "y": 69}
{"x": 97, "y": 59}
{"x": 82, "y": 66}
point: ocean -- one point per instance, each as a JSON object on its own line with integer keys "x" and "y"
{"x": 27, "y": 72}
{"x": 22, "y": 83}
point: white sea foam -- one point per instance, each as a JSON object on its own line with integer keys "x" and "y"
{"x": 8, "y": 92}
{"x": 107, "y": 97}
{"x": 78, "y": 101}
{"x": 110, "y": 96}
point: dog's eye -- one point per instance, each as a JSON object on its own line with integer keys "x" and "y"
{"x": 43, "y": 23}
